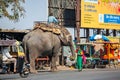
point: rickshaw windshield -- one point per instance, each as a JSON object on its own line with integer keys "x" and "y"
{"x": 21, "y": 49}
{"x": 14, "y": 49}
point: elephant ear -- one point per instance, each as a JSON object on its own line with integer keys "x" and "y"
{"x": 64, "y": 35}
{"x": 65, "y": 31}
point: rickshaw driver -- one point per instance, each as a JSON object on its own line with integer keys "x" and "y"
{"x": 7, "y": 57}
{"x": 20, "y": 57}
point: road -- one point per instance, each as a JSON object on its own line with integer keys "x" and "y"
{"x": 86, "y": 74}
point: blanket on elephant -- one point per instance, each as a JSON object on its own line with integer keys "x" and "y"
{"x": 61, "y": 31}
{"x": 45, "y": 27}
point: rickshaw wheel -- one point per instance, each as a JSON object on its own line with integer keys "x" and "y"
{"x": 24, "y": 73}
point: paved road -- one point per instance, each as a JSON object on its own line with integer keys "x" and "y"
{"x": 86, "y": 74}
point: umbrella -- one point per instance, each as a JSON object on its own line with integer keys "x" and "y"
{"x": 95, "y": 37}
{"x": 98, "y": 37}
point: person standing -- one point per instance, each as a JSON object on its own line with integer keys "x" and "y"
{"x": 79, "y": 59}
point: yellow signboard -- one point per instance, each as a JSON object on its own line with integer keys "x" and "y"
{"x": 103, "y": 14}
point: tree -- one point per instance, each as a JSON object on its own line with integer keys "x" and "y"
{"x": 118, "y": 31}
{"x": 11, "y": 9}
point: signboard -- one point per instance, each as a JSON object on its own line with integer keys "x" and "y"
{"x": 100, "y": 14}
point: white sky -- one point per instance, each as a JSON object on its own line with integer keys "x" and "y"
{"x": 36, "y": 10}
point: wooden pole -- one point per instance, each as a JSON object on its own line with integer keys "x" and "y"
{"x": 114, "y": 32}
{"x": 87, "y": 34}
{"x": 107, "y": 32}
{"x": 98, "y": 31}
{"x": 78, "y": 18}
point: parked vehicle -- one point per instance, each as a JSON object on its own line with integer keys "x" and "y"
{"x": 16, "y": 50}
{"x": 93, "y": 59}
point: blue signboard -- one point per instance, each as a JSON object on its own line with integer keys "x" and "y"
{"x": 108, "y": 18}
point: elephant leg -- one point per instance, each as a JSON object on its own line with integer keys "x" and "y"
{"x": 53, "y": 64}
{"x": 32, "y": 63}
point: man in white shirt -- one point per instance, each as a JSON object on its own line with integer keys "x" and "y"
{"x": 7, "y": 57}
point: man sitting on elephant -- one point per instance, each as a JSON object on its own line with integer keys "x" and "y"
{"x": 52, "y": 20}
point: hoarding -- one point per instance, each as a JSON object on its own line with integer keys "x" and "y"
{"x": 103, "y": 14}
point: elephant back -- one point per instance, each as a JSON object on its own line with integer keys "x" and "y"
{"x": 64, "y": 31}
{"x": 61, "y": 31}
{"x": 47, "y": 28}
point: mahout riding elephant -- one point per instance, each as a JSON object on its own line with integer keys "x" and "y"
{"x": 45, "y": 43}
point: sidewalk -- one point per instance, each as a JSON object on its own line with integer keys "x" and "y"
{"x": 65, "y": 68}
{"x": 72, "y": 68}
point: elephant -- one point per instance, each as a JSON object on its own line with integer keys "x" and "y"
{"x": 45, "y": 43}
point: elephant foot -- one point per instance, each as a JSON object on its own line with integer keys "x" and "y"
{"x": 33, "y": 71}
{"x": 54, "y": 70}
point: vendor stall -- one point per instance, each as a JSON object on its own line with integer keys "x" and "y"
{"x": 92, "y": 57}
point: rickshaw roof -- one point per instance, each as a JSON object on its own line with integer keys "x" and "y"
{"x": 7, "y": 42}
{"x": 89, "y": 43}
{"x": 106, "y": 42}
{"x": 92, "y": 43}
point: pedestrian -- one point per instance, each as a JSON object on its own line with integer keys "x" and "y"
{"x": 52, "y": 20}
{"x": 79, "y": 59}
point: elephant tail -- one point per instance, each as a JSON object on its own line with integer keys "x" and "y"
{"x": 26, "y": 52}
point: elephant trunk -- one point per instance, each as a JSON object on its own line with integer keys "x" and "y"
{"x": 72, "y": 47}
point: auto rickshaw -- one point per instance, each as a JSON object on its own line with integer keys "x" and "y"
{"x": 16, "y": 50}
{"x": 92, "y": 60}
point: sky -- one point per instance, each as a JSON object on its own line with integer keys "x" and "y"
{"x": 36, "y": 10}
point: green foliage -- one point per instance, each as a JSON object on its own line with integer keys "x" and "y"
{"x": 118, "y": 31}
{"x": 11, "y": 9}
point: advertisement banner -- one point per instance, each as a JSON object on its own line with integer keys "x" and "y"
{"x": 103, "y": 14}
